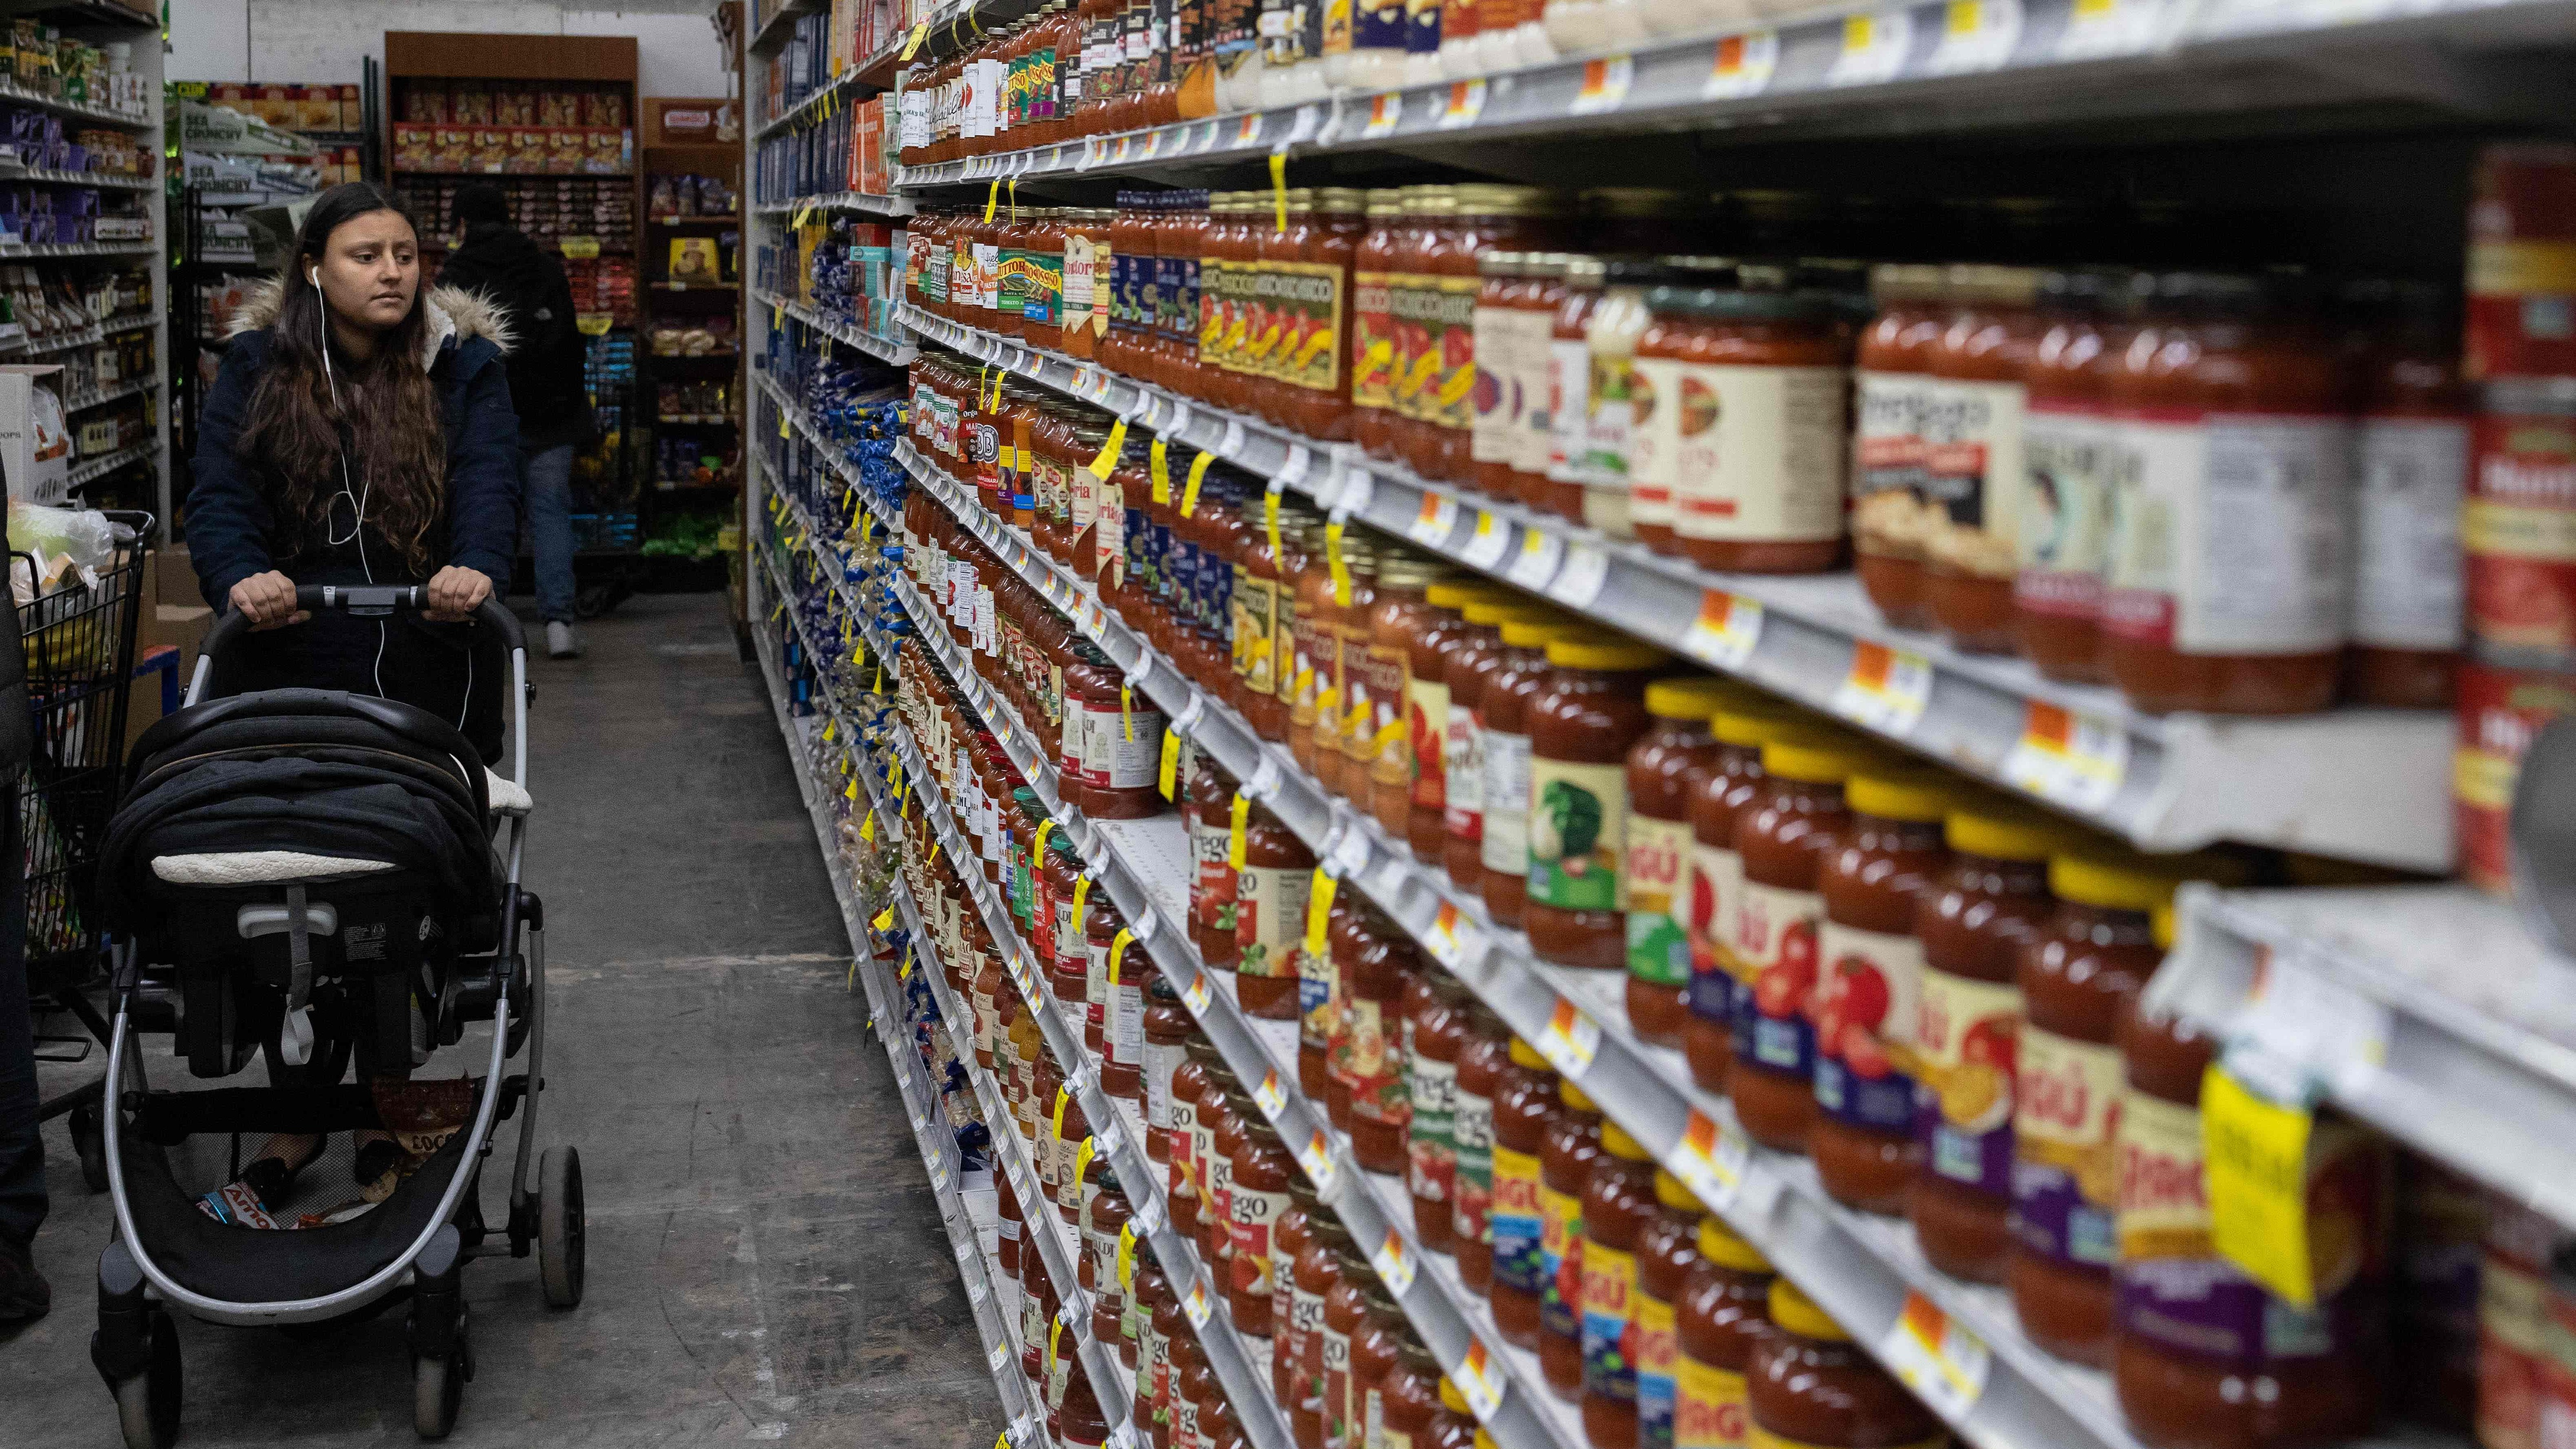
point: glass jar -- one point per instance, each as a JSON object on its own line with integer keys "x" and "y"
{"x": 1761, "y": 489}
{"x": 1586, "y": 713}
{"x": 1973, "y": 466}
{"x": 1784, "y": 836}
{"x": 1516, "y": 1227}
{"x": 1270, "y": 915}
{"x": 1504, "y": 858}
{"x": 1973, "y": 924}
{"x": 1892, "y": 393}
{"x": 2063, "y": 536}
{"x": 1569, "y": 387}
{"x": 1400, "y": 615}
{"x": 1263, "y": 605}
{"x": 1257, "y": 1200}
{"x": 1465, "y": 654}
{"x": 1435, "y": 1031}
{"x": 1569, "y": 1149}
{"x": 2219, "y": 384}
{"x": 1665, "y": 767}
{"x": 1213, "y": 910}
{"x": 1486, "y": 216}
{"x": 1868, "y": 999}
{"x": 1618, "y": 1203}
{"x": 1373, "y": 322}
{"x": 1667, "y": 1253}
{"x": 1344, "y": 705}
{"x": 1316, "y": 1273}
{"x": 1322, "y": 1003}
{"x": 1508, "y": 356}
{"x": 1168, "y": 1029}
{"x": 1371, "y": 1070}
{"x": 1808, "y": 1383}
{"x": 2411, "y": 469}
{"x": 1724, "y": 1310}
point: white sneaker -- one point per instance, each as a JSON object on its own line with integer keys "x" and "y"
{"x": 561, "y": 641}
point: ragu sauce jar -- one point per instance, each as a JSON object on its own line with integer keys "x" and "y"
{"x": 1725, "y": 1309}
{"x": 1809, "y": 1386}
{"x": 1890, "y": 388}
{"x": 1973, "y": 924}
{"x": 1523, "y": 1104}
{"x": 1869, "y": 995}
{"x": 1785, "y": 836}
{"x": 1672, "y": 759}
{"x": 1588, "y": 709}
{"x": 2230, "y": 431}
{"x": 1618, "y": 1203}
{"x": 1733, "y": 782}
{"x": 1570, "y": 1147}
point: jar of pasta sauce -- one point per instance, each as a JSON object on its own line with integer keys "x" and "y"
{"x": 1670, "y": 761}
{"x": 1525, "y": 1100}
{"x": 1468, "y": 658}
{"x": 1569, "y": 384}
{"x": 1586, "y": 713}
{"x": 1869, "y": 996}
{"x": 2521, "y": 572}
{"x": 1510, "y": 680}
{"x": 1168, "y": 1029}
{"x": 1618, "y": 1204}
{"x": 2411, "y": 471}
{"x": 1891, "y": 388}
{"x": 1270, "y": 915}
{"x": 1808, "y": 1386}
{"x": 2500, "y": 711}
{"x": 1759, "y": 488}
{"x": 1314, "y": 1275}
{"x": 1733, "y": 781}
{"x": 2062, "y": 538}
{"x": 1435, "y": 1031}
{"x": 1213, "y": 909}
{"x": 1973, "y": 473}
{"x": 1974, "y": 922}
{"x": 1370, "y": 1066}
{"x": 1725, "y": 1308}
{"x": 1323, "y": 1000}
{"x": 1569, "y": 1149}
{"x": 2521, "y": 283}
{"x": 1484, "y": 1070}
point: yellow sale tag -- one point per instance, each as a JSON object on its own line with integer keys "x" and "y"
{"x": 831, "y": 730}
{"x": 1234, "y": 842}
{"x": 1279, "y": 187}
{"x": 584, "y": 248}
{"x": 884, "y": 920}
{"x": 1082, "y": 1157}
{"x": 911, "y": 48}
{"x": 1190, "y": 490}
{"x": 992, "y": 199}
{"x": 1158, "y": 467}
{"x": 1118, "y": 952}
{"x": 867, "y": 827}
{"x": 1333, "y": 560}
{"x": 1054, "y": 1333}
{"x": 1319, "y": 909}
{"x": 1166, "y": 773}
{"x": 1110, "y": 452}
{"x": 1127, "y": 712}
{"x": 1081, "y": 899}
{"x": 2258, "y": 1184}
{"x": 1127, "y": 1257}
{"x": 1270, "y": 521}
{"x": 1037, "y": 847}
{"x": 1062, "y": 1096}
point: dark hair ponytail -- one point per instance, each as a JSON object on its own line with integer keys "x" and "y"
{"x": 386, "y": 409}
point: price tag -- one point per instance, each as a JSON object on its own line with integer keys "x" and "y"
{"x": 1579, "y": 582}
{"x": 2256, "y": 1154}
{"x": 1873, "y": 48}
{"x": 1431, "y": 524}
{"x": 1269, "y": 1096}
{"x": 1605, "y": 85}
{"x": 1153, "y": 145}
{"x": 1536, "y": 563}
{"x": 1359, "y": 486}
{"x": 1350, "y": 856}
{"x": 1386, "y": 110}
{"x": 1743, "y": 66}
{"x": 1449, "y": 936}
{"x": 995, "y": 1359}
{"x": 1294, "y": 473}
{"x": 912, "y": 42}
{"x": 1485, "y": 546}
{"x": 1394, "y": 1265}
{"x": 1725, "y": 632}
{"x": 2068, "y": 758}
{"x": 1316, "y": 1156}
{"x": 1264, "y": 782}
{"x": 1711, "y": 1160}
{"x": 1944, "y": 1364}
{"x": 1479, "y": 1380}
{"x": 1570, "y": 1040}
{"x": 1197, "y": 994}
{"x": 2097, "y": 28}
{"x": 1118, "y": 153}
{"x": 1195, "y": 1306}
{"x": 1466, "y": 103}
{"x": 1319, "y": 906}
{"x": 1976, "y": 35}
{"x": 1170, "y": 765}
{"x": 1886, "y": 690}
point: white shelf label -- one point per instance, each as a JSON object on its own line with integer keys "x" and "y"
{"x": 1205, "y": 140}
{"x": 1196, "y": 1307}
{"x": 1432, "y": 524}
{"x": 2068, "y": 758}
{"x": 1299, "y": 461}
{"x": 1727, "y": 629}
{"x": 2097, "y": 28}
{"x": 1605, "y": 85}
{"x": 1316, "y": 1156}
{"x": 1198, "y": 994}
{"x": 1873, "y": 48}
{"x": 1742, "y": 67}
{"x": 1976, "y": 35}
{"x": 1466, "y": 102}
{"x": 1269, "y": 1096}
{"x": 1711, "y": 1159}
{"x": 1579, "y": 582}
{"x": 1570, "y": 1041}
{"x": 1386, "y": 112}
{"x": 1302, "y": 127}
{"x": 1486, "y": 544}
{"x": 1359, "y": 485}
{"x": 1886, "y": 689}
{"x": 1479, "y": 1380}
{"x": 1000, "y": 1355}
{"x": 1350, "y": 856}
{"x": 1536, "y": 563}
{"x": 1394, "y": 1265}
{"x": 1944, "y": 1364}
{"x": 1450, "y": 936}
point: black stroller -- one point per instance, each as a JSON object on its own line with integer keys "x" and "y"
{"x": 310, "y": 877}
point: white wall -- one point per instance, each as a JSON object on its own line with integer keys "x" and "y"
{"x": 324, "y": 40}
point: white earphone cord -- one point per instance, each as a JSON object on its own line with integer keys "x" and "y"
{"x": 358, "y": 504}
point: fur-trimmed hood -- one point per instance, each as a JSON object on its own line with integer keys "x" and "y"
{"x": 454, "y": 314}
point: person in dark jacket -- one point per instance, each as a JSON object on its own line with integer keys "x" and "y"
{"x": 23, "y": 1291}
{"x": 525, "y": 281}
{"x": 361, "y": 432}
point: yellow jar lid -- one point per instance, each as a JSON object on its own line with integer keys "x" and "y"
{"x": 1719, "y": 1244}
{"x": 2000, "y": 830}
{"x": 1507, "y": 609}
{"x": 1818, "y": 759}
{"x": 1898, "y": 793}
{"x": 1616, "y": 1141}
{"x": 1755, "y": 723}
{"x": 1798, "y": 1313}
{"x": 1672, "y": 1192}
{"x": 2114, "y": 878}
{"x": 1698, "y": 697}
{"x": 2160, "y": 923}
{"x": 1525, "y": 1055}
{"x": 1573, "y": 1096}
{"x": 1599, "y": 649}
{"x": 1457, "y": 593}
{"x": 1533, "y": 633}
{"x": 1450, "y": 1399}
{"x": 1484, "y": 1440}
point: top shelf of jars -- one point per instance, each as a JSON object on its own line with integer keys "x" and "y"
{"x": 1626, "y": 65}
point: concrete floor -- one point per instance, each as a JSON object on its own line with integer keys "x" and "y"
{"x": 765, "y": 1259}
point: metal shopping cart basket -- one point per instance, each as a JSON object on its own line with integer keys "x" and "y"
{"x": 79, "y": 642}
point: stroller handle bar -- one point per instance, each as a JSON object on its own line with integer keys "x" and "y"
{"x": 364, "y": 600}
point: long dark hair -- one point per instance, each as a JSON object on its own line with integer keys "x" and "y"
{"x": 386, "y": 411}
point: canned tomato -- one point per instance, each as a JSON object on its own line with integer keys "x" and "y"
{"x": 2501, "y": 711}
{"x": 2518, "y": 532}
{"x": 2522, "y": 262}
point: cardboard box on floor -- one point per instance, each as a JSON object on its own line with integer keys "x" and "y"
{"x": 173, "y": 613}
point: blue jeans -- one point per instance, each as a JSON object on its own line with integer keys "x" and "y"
{"x": 546, "y": 482}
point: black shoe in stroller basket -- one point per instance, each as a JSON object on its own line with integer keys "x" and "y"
{"x": 309, "y": 878}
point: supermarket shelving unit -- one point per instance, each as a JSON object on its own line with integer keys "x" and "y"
{"x": 660, "y": 298}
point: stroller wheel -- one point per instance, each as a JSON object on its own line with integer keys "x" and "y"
{"x": 91, "y": 1144}
{"x": 147, "y": 1405}
{"x": 438, "y": 1389}
{"x": 560, "y": 1228}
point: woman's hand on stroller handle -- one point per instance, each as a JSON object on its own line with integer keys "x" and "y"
{"x": 455, "y": 592}
{"x": 267, "y": 601}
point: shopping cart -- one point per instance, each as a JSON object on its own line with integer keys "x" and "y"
{"x": 79, "y": 642}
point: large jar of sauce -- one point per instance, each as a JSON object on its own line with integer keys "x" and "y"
{"x": 1725, "y": 1309}
{"x": 1214, "y": 913}
{"x": 1467, "y": 655}
{"x": 1667, "y": 1252}
{"x": 1569, "y": 385}
{"x": 2063, "y": 538}
{"x": 1618, "y": 1203}
{"x": 1785, "y": 836}
{"x": 1486, "y": 216}
{"x": 1258, "y": 1199}
{"x": 2093, "y": 952}
{"x": 1270, "y": 915}
{"x": 1373, "y": 342}
{"x": 1435, "y": 1031}
{"x": 1514, "y": 678}
{"x": 1808, "y": 1386}
{"x": 1869, "y": 996}
{"x": 1760, "y": 489}
{"x": 1400, "y": 622}
{"x": 1586, "y": 713}
{"x": 1315, "y": 1273}
{"x": 1569, "y": 1149}
{"x": 1525, "y": 1099}
{"x": 1973, "y": 923}
{"x": 1323, "y": 1002}
{"x": 1344, "y": 704}
{"x": 1428, "y": 650}
{"x": 1484, "y": 1065}
{"x": 2411, "y": 468}
{"x": 1891, "y": 392}
{"x": 2230, "y": 429}
{"x": 1974, "y": 476}
{"x": 1168, "y": 1030}
{"x": 1669, "y": 762}
{"x": 1372, "y": 1068}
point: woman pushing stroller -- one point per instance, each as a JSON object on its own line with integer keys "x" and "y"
{"x": 360, "y": 433}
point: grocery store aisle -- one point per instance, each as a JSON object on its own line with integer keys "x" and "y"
{"x": 765, "y": 1260}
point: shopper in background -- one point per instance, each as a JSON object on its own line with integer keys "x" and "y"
{"x": 23, "y": 1291}
{"x": 526, "y": 282}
